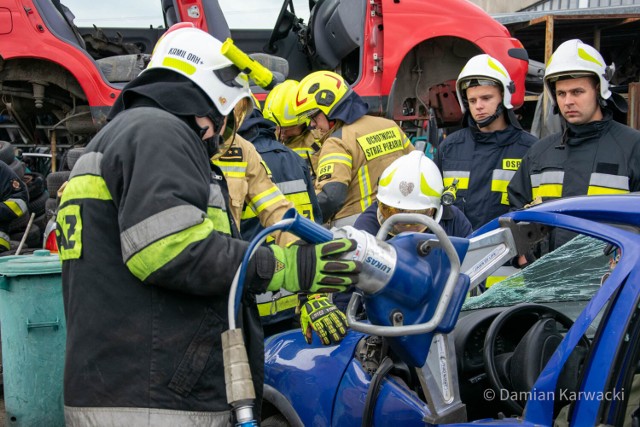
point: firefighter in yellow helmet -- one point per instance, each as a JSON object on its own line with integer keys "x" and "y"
{"x": 292, "y": 131}
{"x": 356, "y": 147}
{"x": 253, "y": 193}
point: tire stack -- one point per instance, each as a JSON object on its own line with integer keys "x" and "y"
{"x": 8, "y": 156}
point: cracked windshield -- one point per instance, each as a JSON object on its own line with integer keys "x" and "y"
{"x": 571, "y": 273}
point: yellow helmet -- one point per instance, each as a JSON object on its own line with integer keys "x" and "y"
{"x": 320, "y": 91}
{"x": 278, "y": 107}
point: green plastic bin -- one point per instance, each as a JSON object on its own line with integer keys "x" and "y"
{"x": 33, "y": 334}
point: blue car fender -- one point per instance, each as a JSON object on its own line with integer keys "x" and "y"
{"x": 306, "y": 375}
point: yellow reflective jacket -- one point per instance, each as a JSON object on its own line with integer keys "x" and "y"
{"x": 249, "y": 182}
{"x": 356, "y": 155}
{"x": 307, "y": 146}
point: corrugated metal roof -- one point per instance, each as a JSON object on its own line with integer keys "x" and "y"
{"x": 520, "y": 17}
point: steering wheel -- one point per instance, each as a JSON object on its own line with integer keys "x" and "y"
{"x": 279, "y": 33}
{"x": 518, "y": 371}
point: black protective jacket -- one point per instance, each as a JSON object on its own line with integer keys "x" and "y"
{"x": 483, "y": 163}
{"x": 15, "y": 198}
{"x": 600, "y": 157}
{"x": 147, "y": 265}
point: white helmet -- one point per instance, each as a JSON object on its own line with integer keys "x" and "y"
{"x": 574, "y": 58}
{"x": 411, "y": 183}
{"x": 196, "y": 55}
{"x": 483, "y": 70}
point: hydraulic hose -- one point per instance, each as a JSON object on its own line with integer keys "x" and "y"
{"x": 374, "y": 388}
{"x": 235, "y": 293}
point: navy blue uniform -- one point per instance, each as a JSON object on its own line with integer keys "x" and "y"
{"x": 453, "y": 221}
{"x": 484, "y": 164}
{"x": 287, "y": 169}
{"x": 14, "y": 202}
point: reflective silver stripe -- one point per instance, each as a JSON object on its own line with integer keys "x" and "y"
{"x": 88, "y": 164}
{"x": 291, "y": 187}
{"x": 143, "y": 417}
{"x": 265, "y": 199}
{"x": 456, "y": 174}
{"x": 156, "y": 227}
{"x": 270, "y": 296}
{"x": 21, "y": 204}
{"x": 5, "y": 240}
{"x": 609, "y": 181}
{"x": 228, "y": 169}
{"x": 336, "y": 157}
{"x": 216, "y": 199}
{"x": 366, "y": 190}
{"x": 554, "y": 177}
{"x": 502, "y": 175}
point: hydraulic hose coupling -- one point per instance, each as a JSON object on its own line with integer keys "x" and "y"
{"x": 237, "y": 377}
{"x": 256, "y": 71}
{"x": 378, "y": 258}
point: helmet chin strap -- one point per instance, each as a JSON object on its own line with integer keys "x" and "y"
{"x": 486, "y": 122}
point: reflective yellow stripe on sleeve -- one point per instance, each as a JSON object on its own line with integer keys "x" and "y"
{"x": 159, "y": 253}
{"x": 406, "y": 143}
{"x": 304, "y": 151}
{"x": 277, "y": 305}
{"x": 547, "y": 184}
{"x": 158, "y": 239}
{"x": 462, "y": 176}
{"x": 499, "y": 181}
{"x": 602, "y": 183}
{"x": 4, "y": 241}
{"x": 219, "y": 219}
{"x": 86, "y": 187}
{"x": 266, "y": 198}
{"x": 364, "y": 181}
{"x": 232, "y": 169}
{"x": 345, "y": 159}
{"x": 17, "y": 206}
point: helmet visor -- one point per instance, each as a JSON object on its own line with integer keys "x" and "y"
{"x": 385, "y": 212}
{"x": 309, "y": 114}
{"x": 464, "y": 85}
{"x": 569, "y": 75}
{"x": 229, "y": 75}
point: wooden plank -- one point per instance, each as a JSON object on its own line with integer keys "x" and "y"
{"x": 548, "y": 50}
{"x": 633, "y": 116}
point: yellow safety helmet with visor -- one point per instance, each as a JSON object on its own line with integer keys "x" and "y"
{"x": 279, "y": 105}
{"x": 320, "y": 91}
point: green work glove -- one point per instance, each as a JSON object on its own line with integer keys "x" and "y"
{"x": 315, "y": 268}
{"x": 319, "y": 314}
